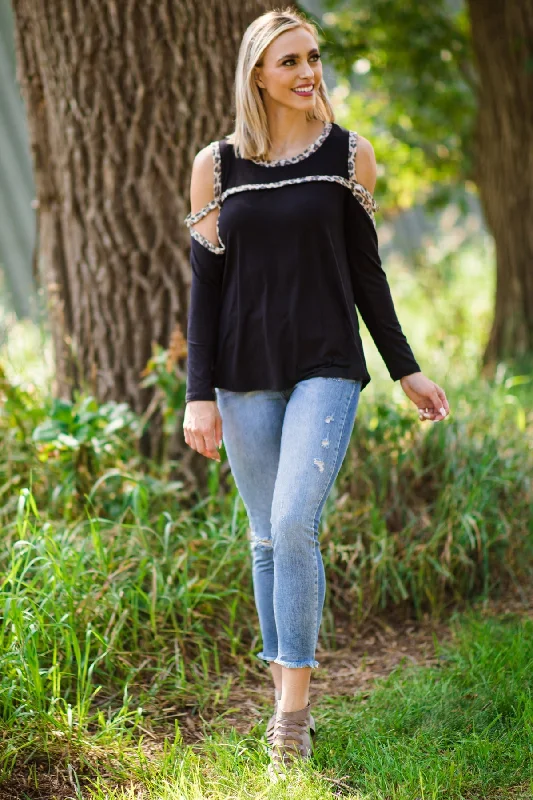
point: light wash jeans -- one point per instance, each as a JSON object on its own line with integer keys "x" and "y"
{"x": 285, "y": 449}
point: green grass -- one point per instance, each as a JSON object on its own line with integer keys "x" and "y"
{"x": 459, "y": 729}
{"x": 462, "y": 729}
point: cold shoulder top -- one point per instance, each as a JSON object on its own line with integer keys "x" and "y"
{"x": 276, "y": 300}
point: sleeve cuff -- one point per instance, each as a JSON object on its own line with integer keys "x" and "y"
{"x": 207, "y": 395}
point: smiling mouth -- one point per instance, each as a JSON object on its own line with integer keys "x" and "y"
{"x": 303, "y": 89}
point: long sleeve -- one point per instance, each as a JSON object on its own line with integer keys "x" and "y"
{"x": 202, "y": 324}
{"x": 372, "y": 292}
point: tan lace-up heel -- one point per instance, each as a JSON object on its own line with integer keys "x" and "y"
{"x": 269, "y": 734}
{"x": 292, "y": 740}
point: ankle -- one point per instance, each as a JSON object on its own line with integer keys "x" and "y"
{"x": 293, "y": 705}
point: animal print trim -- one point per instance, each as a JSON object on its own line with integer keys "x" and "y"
{"x": 217, "y": 169}
{"x": 206, "y": 243}
{"x": 358, "y": 190}
{"x": 352, "y": 149}
{"x": 279, "y": 162}
{"x": 191, "y": 219}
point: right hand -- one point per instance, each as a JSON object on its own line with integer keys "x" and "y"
{"x": 202, "y": 427}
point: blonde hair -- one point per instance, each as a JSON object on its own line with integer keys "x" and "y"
{"x": 251, "y": 137}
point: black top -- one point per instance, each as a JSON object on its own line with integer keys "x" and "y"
{"x": 275, "y": 302}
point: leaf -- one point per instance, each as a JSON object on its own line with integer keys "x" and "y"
{"x": 68, "y": 441}
{"x": 46, "y": 432}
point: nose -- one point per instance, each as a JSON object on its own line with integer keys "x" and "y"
{"x": 308, "y": 74}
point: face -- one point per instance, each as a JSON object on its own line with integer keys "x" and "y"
{"x": 292, "y": 60}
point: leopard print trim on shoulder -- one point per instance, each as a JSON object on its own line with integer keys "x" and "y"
{"x": 191, "y": 219}
{"x": 217, "y": 170}
{"x": 352, "y": 149}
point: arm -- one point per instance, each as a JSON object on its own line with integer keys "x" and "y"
{"x": 207, "y": 272}
{"x": 369, "y": 281}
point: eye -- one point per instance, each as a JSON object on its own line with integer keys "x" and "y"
{"x": 316, "y": 55}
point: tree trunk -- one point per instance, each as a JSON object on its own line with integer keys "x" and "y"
{"x": 119, "y": 97}
{"x": 502, "y": 35}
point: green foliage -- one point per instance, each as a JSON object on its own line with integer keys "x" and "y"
{"x": 420, "y": 517}
{"x": 83, "y": 424}
{"x": 79, "y": 440}
{"x": 21, "y": 408}
{"x": 432, "y": 519}
{"x": 159, "y": 373}
{"x": 169, "y": 383}
{"x": 410, "y": 69}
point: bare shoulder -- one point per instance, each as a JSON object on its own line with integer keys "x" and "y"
{"x": 202, "y": 181}
{"x": 365, "y": 164}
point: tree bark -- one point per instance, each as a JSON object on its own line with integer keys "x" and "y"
{"x": 502, "y": 36}
{"x": 120, "y": 95}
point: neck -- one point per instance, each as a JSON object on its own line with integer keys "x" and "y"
{"x": 290, "y": 131}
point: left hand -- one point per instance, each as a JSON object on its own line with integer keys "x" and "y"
{"x": 426, "y": 395}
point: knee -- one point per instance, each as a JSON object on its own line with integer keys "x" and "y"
{"x": 258, "y": 541}
{"x": 291, "y": 531}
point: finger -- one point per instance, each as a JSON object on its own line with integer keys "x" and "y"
{"x": 439, "y": 411}
{"x": 435, "y": 416}
{"x": 199, "y": 443}
{"x": 218, "y": 431}
{"x": 211, "y": 447}
{"x": 444, "y": 400}
{"x": 207, "y": 446}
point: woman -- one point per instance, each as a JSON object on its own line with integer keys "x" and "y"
{"x": 283, "y": 251}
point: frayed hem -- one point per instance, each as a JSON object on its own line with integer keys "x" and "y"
{"x": 261, "y": 657}
{"x": 297, "y": 664}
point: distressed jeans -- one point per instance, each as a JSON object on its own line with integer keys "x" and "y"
{"x": 285, "y": 449}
